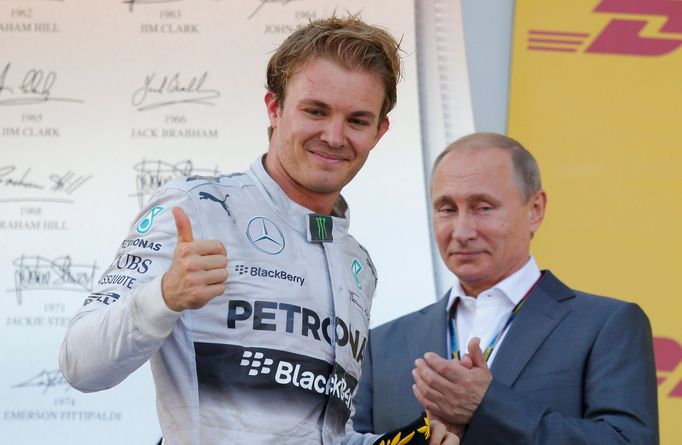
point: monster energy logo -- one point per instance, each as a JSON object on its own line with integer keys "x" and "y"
{"x": 356, "y": 268}
{"x": 320, "y": 228}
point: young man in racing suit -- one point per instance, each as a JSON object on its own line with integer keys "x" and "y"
{"x": 246, "y": 292}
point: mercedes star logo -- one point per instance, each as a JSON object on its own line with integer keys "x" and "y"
{"x": 265, "y": 235}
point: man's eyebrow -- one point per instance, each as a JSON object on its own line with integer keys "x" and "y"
{"x": 443, "y": 199}
{"x": 484, "y": 197}
{"x": 477, "y": 197}
{"x": 324, "y": 106}
{"x": 481, "y": 197}
{"x": 366, "y": 114}
{"x": 315, "y": 103}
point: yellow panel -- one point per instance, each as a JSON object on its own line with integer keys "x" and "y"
{"x": 596, "y": 95}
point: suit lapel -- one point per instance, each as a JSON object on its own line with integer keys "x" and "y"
{"x": 538, "y": 317}
{"x": 430, "y": 329}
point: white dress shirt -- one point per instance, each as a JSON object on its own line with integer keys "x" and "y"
{"x": 486, "y": 315}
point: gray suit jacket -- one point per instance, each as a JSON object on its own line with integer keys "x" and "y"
{"x": 573, "y": 369}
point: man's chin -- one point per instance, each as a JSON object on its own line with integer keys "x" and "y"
{"x": 467, "y": 273}
{"x": 324, "y": 187}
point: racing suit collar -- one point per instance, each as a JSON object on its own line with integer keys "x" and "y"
{"x": 295, "y": 214}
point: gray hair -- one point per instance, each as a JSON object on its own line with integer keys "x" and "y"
{"x": 526, "y": 170}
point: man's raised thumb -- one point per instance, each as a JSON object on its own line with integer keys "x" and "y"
{"x": 183, "y": 224}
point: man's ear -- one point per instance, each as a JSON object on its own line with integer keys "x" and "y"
{"x": 381, "y": 130}
{"x": 536, "y": 210}
{"x": 272, "y": 105}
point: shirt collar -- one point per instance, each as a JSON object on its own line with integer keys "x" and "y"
{"x": 296, "y": 215}
{"x": 514, "y": 287}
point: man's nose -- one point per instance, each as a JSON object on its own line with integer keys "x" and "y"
{"x": 334, "y": 132}
{"x": 464, "y": 227}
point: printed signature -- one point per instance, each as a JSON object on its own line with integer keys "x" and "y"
{"x": 61, "y": 273}
{"x": 35, "y": 88}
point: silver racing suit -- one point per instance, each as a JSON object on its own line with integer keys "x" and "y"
{"x": 275, "y": 359}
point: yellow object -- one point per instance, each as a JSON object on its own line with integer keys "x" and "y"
{"x": 596, "y": 96}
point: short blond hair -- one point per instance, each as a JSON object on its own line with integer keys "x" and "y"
{"x": 348, "y": 42}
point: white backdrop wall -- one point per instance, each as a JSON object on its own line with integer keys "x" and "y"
{"x": 101, "y": 102}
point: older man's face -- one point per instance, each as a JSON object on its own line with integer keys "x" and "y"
{"x": 483, "y": 226}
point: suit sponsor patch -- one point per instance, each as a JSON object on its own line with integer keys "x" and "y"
{"x": 224, "y": 369}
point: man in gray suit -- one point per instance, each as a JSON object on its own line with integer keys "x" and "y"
{"x": 510, "y": 355}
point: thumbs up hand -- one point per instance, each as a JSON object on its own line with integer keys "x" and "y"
{"x": 198, "y": 271}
